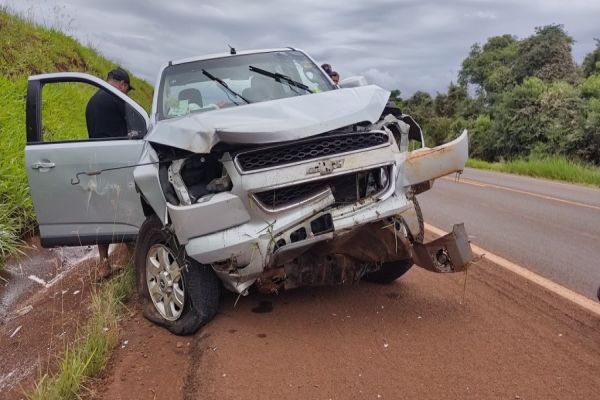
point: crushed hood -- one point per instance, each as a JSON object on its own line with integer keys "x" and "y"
{"x": 272, "y": 121}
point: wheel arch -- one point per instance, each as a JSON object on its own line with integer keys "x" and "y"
{"x": 148, "y": 210}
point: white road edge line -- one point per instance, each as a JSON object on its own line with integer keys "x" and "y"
{"x": 473, "y": 182}
{"x": 546, "y": 283}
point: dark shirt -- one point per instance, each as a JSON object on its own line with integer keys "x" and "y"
{"x": 105, "y": 116}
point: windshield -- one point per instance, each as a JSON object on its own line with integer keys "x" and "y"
{"x": 206, "y": 85}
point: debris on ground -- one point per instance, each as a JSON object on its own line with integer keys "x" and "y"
{"x": 37, "y": 280}
{"x": 22, "y": 311}
{"x": 16, "y": 331}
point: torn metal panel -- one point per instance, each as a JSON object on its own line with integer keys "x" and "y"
{"x": 338, "y": 260}
{"x": 220, "y": 211}
{"x": 429, "y": 163}
{"x": 174, "y": 176}
{"x": 449, "y": 253}
{"x": 345, "y": 259}
{"x": 272, "y": 121}
{"x": 148, "y": 182}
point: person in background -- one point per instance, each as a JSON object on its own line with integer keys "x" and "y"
{"x": 335, "y": 77}
{"x": 105, "y": 113}
{"x": 105, "y": 118}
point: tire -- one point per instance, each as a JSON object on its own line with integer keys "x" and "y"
{"x": 393, "y": 270}
{"x": 176, "y": 292}
{"x": 389, "y": 272}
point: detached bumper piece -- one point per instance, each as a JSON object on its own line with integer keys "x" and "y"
{"x": 449, "y": 253}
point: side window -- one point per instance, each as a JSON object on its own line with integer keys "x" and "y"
{"x": 76, "y": 111}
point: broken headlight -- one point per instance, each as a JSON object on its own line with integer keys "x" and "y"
{"x": 196, "y": 177}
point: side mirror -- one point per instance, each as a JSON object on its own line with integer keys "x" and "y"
{"x": 353, "y": 81}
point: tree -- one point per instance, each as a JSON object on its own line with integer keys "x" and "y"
{"x": 489, "y": 68}
{"x": 482, "y": 139}
{"x": 585, "y": 143}
{"x": 591, "y": 87}
{"x": 420, "y": 107}
{"x": 517, "y": 120}
{"x": 538, "y": 118}
{"x": 531, "y": 100}
{"x": 451, "y": 104}
{"x": 546, "y": 55}
{"x": 395, "y": 95}
{"x": 591, "y": 62}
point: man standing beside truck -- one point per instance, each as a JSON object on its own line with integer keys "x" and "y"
{"x": 105, "y": 118}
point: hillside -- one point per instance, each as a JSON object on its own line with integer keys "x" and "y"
{"x": 27, "y": 49}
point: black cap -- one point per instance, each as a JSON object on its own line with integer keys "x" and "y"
{"x": 119, "y": 74}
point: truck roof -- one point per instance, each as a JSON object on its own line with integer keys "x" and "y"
{"x": 228, "y": 54}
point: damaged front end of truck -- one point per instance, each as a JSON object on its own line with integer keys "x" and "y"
{"x": 326, "y": 209}
{"x": 307, "y": 190}
{"x": 254, "y": 169}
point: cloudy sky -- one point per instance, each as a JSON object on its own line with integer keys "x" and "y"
{"x": 406, "y": 44}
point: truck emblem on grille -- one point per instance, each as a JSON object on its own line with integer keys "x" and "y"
{"x": 325, "y": 167}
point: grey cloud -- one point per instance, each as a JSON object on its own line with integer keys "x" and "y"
{"x": 406, "y": 44}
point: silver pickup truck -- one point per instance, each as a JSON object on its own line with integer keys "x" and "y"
{"x": 254, "y": 169}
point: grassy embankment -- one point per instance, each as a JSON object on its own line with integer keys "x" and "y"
{"x": 88, "y": 354}
{"x": 27, "y": 49}
{"x": 555, "y": 168}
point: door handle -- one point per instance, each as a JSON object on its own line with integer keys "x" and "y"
{"x": 43, "y": 165}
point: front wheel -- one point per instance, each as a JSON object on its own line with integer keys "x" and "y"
{"x": 177, "y": 292}
{"x": 389, "y": 272}
{"x": 393, "y": 270}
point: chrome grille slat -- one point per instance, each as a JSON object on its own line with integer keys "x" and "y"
{"x": 308, "y": 150}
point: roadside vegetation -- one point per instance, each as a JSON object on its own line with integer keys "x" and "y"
{"x": 26, "y": 49}
{"x": 556, "y": 168}
{"x": 91, "y": 349}
{"x": 528, "y": 106}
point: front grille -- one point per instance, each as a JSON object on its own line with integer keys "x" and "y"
{"x": 309, "y": 149}
{"x": 346, "y": 189}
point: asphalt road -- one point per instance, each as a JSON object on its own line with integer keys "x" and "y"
{"x": 550, "y": 228}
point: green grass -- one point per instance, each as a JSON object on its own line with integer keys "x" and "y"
{"x": 27, "y": 49}
{"x": 556, "y": 168}
{"x": 88, "y": 354}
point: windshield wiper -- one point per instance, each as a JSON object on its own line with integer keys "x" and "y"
{"x": 280, "y": 77}
{"x": 222, "y": 83}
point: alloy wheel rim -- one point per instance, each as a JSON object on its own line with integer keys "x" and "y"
{"x": 164, "y": 282}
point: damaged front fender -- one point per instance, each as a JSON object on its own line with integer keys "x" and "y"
{"x": 425, "y": 164}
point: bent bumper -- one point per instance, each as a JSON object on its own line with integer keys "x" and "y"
{"x": 240, "y": 255}
{"x": 429, "y": 163}
{"x": 249, "y": 244}
{"x": 449, "y": 253}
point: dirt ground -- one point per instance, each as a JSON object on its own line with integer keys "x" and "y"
{"x": 425, "y": 336}
{"x": 38, "y": 318}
